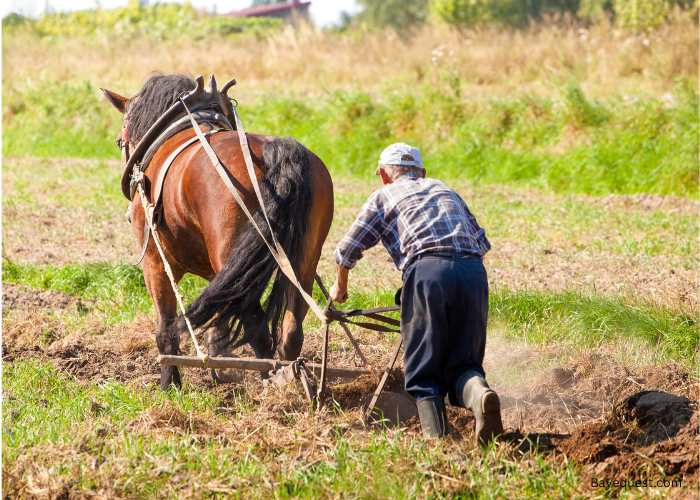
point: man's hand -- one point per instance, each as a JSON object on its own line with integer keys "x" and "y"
{"x": 338, "y": 294}
{"x": 339, "y": 290}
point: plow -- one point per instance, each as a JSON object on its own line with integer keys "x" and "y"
{"x": 312, "y": 376}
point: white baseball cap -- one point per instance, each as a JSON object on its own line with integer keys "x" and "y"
{"x": 400, "y": 154}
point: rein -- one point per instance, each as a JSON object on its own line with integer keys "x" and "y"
{"x": 275, "y": 248}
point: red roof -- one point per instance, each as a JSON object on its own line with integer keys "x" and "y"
{"x": 263, "y": 10}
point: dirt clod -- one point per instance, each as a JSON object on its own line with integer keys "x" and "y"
{"x": 661, "y": 415}
{"x": 612, "y": 450}
{"x": 391, "y": 408}
{"x": 351, "y": 395}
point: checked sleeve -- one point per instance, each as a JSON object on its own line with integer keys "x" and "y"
{"x": 364, "y": 233}
{"x": 479, "y": 234}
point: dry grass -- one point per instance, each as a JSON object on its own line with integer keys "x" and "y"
{"x": 36, "y": 329}
{"x": 310, "y": 60}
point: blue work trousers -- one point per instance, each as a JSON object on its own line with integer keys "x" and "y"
{"x": 444, "y": 309}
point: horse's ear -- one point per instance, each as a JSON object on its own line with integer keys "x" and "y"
{"x": 117, "y": 101}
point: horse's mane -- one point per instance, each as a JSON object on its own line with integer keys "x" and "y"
{"x": 155, "y": 97}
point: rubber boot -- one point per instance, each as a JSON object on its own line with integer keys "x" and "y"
{"x": 474, "y": 393}
{"x": 433, "y": 416}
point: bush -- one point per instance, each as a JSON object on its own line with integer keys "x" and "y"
{"x": 640, "y": 14}
{"x": 157, "y": 21}
{"x": 463, "y": 13}
{"x": 630, "y": 14}
{"x": 402, "y": 15}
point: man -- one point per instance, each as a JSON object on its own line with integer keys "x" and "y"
{"x": 438, "y": 245}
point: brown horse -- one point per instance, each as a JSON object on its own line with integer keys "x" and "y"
{"x": 205, "y": 232}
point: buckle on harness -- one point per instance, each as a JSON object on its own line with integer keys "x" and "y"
{"x": 136, "y": 177}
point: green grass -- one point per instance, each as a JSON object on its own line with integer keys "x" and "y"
{"x": 49, "y": 419}
{"x": 119, "y": 291}
{"x": 84, "y": 185}
{"x": 567, "y": 143}
{"x": 591, "y": 320}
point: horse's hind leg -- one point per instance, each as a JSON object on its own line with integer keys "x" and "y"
{"x": 255, "y": 330}
{"x": 165, "y": 303}
{"x": 292, "y": 323}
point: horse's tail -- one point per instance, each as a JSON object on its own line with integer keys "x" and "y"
{"x": 238, "y": 288}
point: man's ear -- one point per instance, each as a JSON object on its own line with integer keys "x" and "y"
{"x": 423, "y": 173}
{"x": 116, "y": 100}
{"x": 385, "y": 177}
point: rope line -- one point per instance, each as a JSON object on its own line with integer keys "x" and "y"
{"x": 277, "y": 251}
{"x": 156, "y": 238}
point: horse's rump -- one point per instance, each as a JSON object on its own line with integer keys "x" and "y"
{"x": 236, "y": 291}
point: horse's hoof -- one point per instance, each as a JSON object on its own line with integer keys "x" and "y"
{"x": 169, "y": 375}
{"x": 227, "y": 376}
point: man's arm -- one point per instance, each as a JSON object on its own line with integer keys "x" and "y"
{"x": 365, "y": 232}
{"x": 339, "y": 290}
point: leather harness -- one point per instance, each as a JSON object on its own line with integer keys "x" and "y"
{"x": 214, "y": 119}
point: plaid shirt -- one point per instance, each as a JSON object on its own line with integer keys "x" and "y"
{"x": 412, "y": 216}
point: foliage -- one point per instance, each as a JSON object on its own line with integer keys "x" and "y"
{"x": 156, "y": 21}
{"x": 463, "y": 13}
{"x": 640, "y": 14}
{"x": 632, "y": 14}
{"x": 12, "y": 20}
{"x": 402, "y": 15}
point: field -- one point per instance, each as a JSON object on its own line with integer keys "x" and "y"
{"x": 576, "y": 148}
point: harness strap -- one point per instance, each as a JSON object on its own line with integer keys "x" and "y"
{"x": 281, "y": 258}
{"x": 341, "y": 316}
{"x": 364, "y": 312}
{"x": 146, "y": 236}
{"x": 277, "y": 251}
{"x": 368, "y": 326}
{"x": 158, "y": 190}
{"x": 148, "y": 211}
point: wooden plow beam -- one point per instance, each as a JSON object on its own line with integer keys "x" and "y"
{"x": 259, "y": 365}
